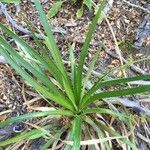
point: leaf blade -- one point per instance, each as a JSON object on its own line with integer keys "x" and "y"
{"x": 54, "y": 9}
{"x": 101, "y": 84}
{"x": 115, "y": 93}
{"x": 89, "y": 72}
{"x": 10, "y": 1}
{"x": 85, "y": 47}
{"x": 32, "y": 115}
{"x": 76, "y": 130}
{"x": 62, "y": 100}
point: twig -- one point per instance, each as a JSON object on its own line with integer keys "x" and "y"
{"x": 108, "y": 51}
{"x": 116, "y": 45}
{"x": 147, "y": 140}
{"x": 137, "y": 6}
{"x": 133, "y": 67}
{"x": 22, "y": 29}
{"x": 127, "y": 103}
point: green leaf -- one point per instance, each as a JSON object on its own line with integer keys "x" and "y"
{"x": 80, "y": 12}
{"x": 40, "y": 76}
{"x": 88, "y": 74}
{"x": 73, "y": 69}
{"x": 35, "y": 133}
{"x": 115, "y": 93}
{"x": 99, "y": 84}
{"x": 54, "y": 9}
{"x": 121, "y": 116}
{"x": 32, "y": 115}
{"x": 10, "y": 1}
{"x": 21, "y": 61}
{"x": 59, "y": 99}
{"x": 85, "y": 48}
{"x": 54, "y": 91}
{"x": 72, "y": 61}
{"x": 76, "y": 132}
{"x": 25, "y": 46}
{"x": 88, "y": 3}
{"x": 51, "y": 140}
{"x": 115, "y": 133}
{"x": 50, "y": 40}
{"x": 100, "y": 133}
{"x": 51, "y": 44}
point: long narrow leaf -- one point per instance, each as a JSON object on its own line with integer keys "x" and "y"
{"x": 72, "y": 61}
{"x": 25, "y": 64}
{"x": 73, "y": 69}
{"x": 50, "y": 40}
{"x": 107, "y": 111}
{"x": 62, "y": 100}
{"x": 51, "y": 140}
{"x": 28, "y": 48}
{"x": 21, "y": 61}
{"x": 55, "y": 71}
{"x": 98, "y": 130}
{"x": 10, "y": 1}
{"x": 115, "y": 93}
{"x": 101, "y": 84}
{"x": 115, "y": 133}
{"x": 85, "y": 47}
{"x": 76, "y": 131}
{"x": 32, "y": 115}
{"x": 51, "y": 67}
{"x": 35, "y": 133}
{"x": 91, "y": 67}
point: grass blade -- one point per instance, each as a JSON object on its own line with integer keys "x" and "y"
{"x": 35, "y": 133}
{"x": 72, "y": 61}
{"x": 115, "y": 93}
{"x": 21, "y": 61}
{"x": 48, "y": 66}
{"x": 32, "y": 115}
{"x": 85, "y": 47}
{"x": 88, "y": 74}
{"x": 73, "y": 69}
{"x": 25, "y": 46}
{"x": 100, "y": 133}
{"x": 115, "y": 133}
{"x": 50, "y": 40}
{"x": 51, "y": 67}
{"x": 107, "y": 111}
{"x": 101, "y": 84}
{"x": 10, "y": 1}
{"x": 42, "y": 77}
{"x": 76, "y": 132}
{"x": 60, "y": 99}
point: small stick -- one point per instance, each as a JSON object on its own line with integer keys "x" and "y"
{"x": 22, "y": 29}
{"x": 137, "y": 6}
{"x": 116, "y": 45}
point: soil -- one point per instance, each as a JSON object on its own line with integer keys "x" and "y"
{"x": 16, "y": 96}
